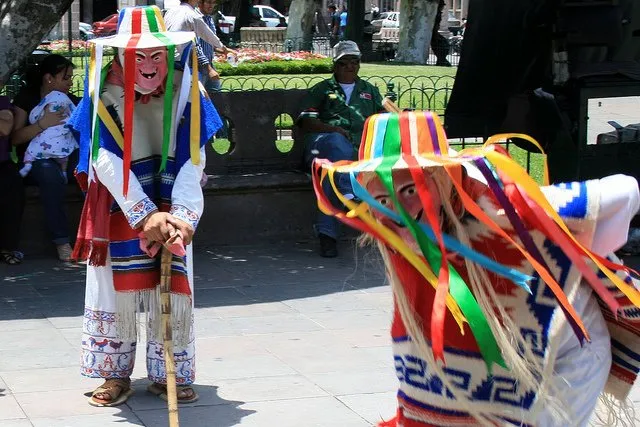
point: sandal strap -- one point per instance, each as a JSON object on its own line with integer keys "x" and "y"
{"x": 179, "y": 388}
{"x": 110, "y": 385}
{"x": 11, "y": 258}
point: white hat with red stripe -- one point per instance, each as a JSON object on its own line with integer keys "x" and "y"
{"x": 143, "y": 27}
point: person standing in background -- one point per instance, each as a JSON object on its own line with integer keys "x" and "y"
{"x": 210, "y": 79}
{"x": 54, "y": 72}
{"x": 343, "y": 22}
{"x": 186, "y": 18}
{"x": 11, "y": 190}
{"x": 334, "y": 23}
{"x": 439, "y": 44}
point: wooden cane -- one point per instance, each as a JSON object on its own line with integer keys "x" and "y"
{"x": 390, "y": 106}
{"x": 170, "y": 366}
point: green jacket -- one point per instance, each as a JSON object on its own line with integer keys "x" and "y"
{"x": 327, "y": 102}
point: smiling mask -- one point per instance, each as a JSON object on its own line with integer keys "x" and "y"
{"x": 151, "y": 68}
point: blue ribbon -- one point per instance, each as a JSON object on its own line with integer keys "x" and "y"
{"x": 450, "y": 243}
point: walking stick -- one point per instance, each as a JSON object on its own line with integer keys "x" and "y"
{"x": 170, "y": 366}
{"x": 390, "y": 106}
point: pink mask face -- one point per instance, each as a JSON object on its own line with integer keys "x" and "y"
{"x": 151, "y": 69}
{"x": 407, "y": 195}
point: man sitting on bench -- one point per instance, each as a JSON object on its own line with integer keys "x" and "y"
{"x": 332, "y": 122}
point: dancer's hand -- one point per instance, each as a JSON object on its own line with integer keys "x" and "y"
{"x": 184, "y": 228}
{"x": 157, "y": 227}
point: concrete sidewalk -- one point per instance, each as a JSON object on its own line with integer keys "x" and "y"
{"x": 284, "y": 338}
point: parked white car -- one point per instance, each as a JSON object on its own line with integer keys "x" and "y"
{"x": 226, "y": 23}
{"x": 270, "y": 15}
{"x": 392, "y": 20}
{"x": 386, "y": 20}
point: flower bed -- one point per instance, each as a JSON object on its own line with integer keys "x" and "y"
{"x": 250, "y": 61}
{"x": 255, "y": 56}
{"x": 311, "y": 66}
{"x": 62, "y": 46}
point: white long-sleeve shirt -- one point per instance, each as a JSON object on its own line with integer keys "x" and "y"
{"x": 186, "y": 18}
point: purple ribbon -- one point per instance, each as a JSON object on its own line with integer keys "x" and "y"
{"x": 521, "y": 230}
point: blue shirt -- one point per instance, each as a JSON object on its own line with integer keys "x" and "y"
{"x": 343, "y": 19}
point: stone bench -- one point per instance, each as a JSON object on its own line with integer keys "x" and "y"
{"x": 254, "y": 193}
{"x": 270, "y": 39}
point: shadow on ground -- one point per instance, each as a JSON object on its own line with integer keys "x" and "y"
{"x": 149, "y": 410}
{"x": 224, "y": 276}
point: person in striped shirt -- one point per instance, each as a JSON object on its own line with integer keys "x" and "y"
{"x": 186, "y": 18}
{"x": 210, "y": 79}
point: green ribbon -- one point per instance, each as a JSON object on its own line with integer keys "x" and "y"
{"x": 96, "y": 130}
{"x": 168, "y": 94}
{"x": 457, "y": 287}
{"x": 14, "y": 154}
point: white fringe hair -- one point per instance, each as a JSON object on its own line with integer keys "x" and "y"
{"x": 531, "y": 372}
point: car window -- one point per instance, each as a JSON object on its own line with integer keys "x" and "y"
{"x": 383, "y": 15}
{"x": 394, "y": 16}
{"x": 268, "y": 13}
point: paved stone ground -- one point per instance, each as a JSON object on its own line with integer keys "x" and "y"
{"x": 284, "y": 338}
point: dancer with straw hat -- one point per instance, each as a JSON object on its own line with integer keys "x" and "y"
{"x": 142, "y": 126}
{"x": 510, "y": 308}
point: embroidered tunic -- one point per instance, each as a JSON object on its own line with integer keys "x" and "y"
{"x": 598, "y": 213}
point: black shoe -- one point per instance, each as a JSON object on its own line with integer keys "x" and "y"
{"x": 328, "y": 247}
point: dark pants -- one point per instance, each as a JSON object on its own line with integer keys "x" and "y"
{"x": 12, "y": 196}
{"x": 52, "y": 182}
{"x": 331, "y": 146}
{"x": 439, "y": 44}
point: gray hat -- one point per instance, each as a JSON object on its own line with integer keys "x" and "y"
{"x": 345, "y": 48}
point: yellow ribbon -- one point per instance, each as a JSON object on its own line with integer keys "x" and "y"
{"x": 194, "y": 134}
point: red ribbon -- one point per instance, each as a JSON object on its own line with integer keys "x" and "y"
{"x": 130, "y": 71}
{"x": 419, "y": 178}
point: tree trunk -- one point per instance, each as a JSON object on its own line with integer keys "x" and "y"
{"x": 23, "y": 23}
{"x": 355, "y": 21}
{"x": 301, "y": 20}
{"x": 416, "y": 26}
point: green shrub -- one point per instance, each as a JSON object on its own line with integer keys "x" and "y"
{"x": 312, "y": 66}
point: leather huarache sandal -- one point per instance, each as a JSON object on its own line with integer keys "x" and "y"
{"x": 186, "y": 393}
{"x": 117, "y": 389}
{"x": 11, "y": 257}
